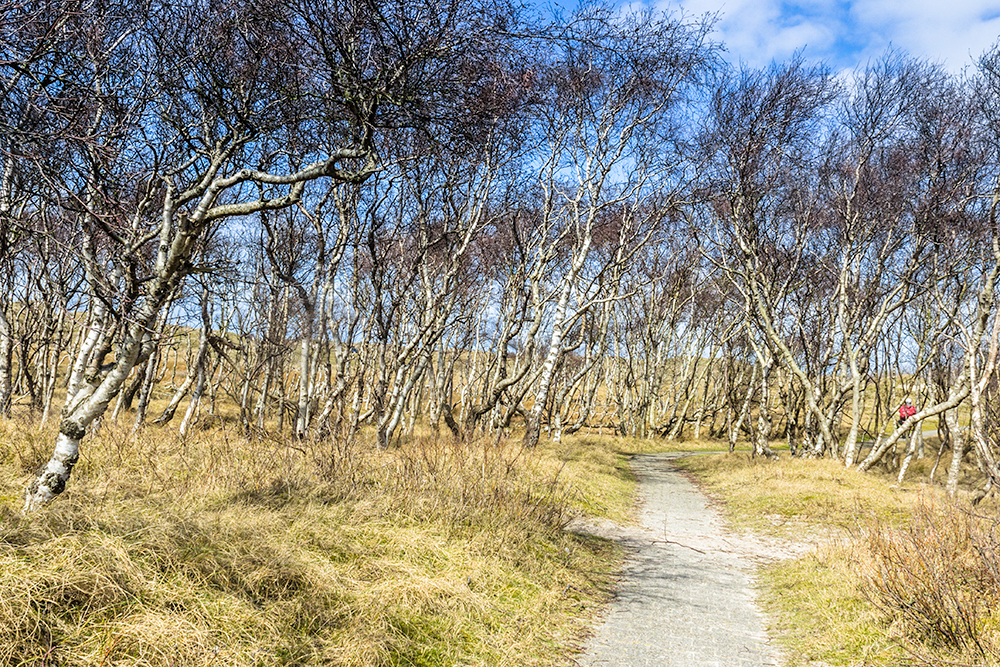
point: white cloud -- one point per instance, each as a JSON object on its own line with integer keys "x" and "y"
{"x": 953, "y": 32}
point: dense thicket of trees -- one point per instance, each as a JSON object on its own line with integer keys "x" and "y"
{"x": 340, "y": 215}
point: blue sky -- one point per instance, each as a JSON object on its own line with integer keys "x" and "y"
{"x": 845, "y": 33}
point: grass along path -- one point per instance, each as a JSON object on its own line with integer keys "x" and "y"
{"x": 896, "y": 575}
{"x": 223, "y": 551}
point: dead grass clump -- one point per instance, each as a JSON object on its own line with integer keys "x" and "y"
{"x": 223, "y": 550}
{"x": 25, "y": 443}
{"x": 937, "y": 582}
{"x": 484, "y": 484}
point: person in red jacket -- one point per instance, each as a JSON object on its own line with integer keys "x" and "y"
{"x": 906, "y": 410}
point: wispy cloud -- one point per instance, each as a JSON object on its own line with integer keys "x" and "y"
{"x": 845, "y": 33}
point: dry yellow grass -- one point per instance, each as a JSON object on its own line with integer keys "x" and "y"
{"x": 936, "y": 583}
{"x": 787, "y": 496}
{"x": 225, "y": 551}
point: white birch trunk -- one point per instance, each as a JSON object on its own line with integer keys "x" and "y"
{"x": 761, "y": 446}
{"x": 52, "y": 373}
{"x": 734, "y": 428}
{"x": 957, "y": 452}
{"x": 192, "y": 409}
{"x": 534, "y": 421}
{"x": 89, "y": 403}
{"x": 305, "y": 382}
{"x": 6, "y": 354}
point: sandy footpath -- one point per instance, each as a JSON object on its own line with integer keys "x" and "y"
{"x": 686, "y": 593}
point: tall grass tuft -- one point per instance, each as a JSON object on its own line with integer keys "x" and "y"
{"x": 937, "y": 582}
{"x": 218, "y": 550}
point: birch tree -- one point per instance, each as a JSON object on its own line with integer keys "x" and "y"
{"x": 200, "y": 114}
{"x": 609, "y": 136}
{"x": 953, "y": 205}
{"x": 880, "y": 250}
{"x": 760, "y": 138}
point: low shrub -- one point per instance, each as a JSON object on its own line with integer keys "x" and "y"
{"x": 937, "y": 583}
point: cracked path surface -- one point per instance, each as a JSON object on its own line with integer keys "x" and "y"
{"x": 686, "y": 594}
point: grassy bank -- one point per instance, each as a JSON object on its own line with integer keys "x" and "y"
{"x": 899, "y": 575}
{"x": 224, "y": 551}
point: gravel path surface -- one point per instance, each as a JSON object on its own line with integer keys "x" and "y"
{"x": 686, "y": 595}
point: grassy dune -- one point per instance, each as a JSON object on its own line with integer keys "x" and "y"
{"x": 224, "y": 551}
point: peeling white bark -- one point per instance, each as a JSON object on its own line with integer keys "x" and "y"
{"x": 52, "y": 480}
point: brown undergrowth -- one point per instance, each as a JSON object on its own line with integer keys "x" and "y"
{"x": 936, "y": 582}
{"x": 220, "y": 550}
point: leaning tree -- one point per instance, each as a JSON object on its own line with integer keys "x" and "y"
{"x": 175, "y": 119}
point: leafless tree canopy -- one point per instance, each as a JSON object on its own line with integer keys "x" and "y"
{"x": 339, "y": 215}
